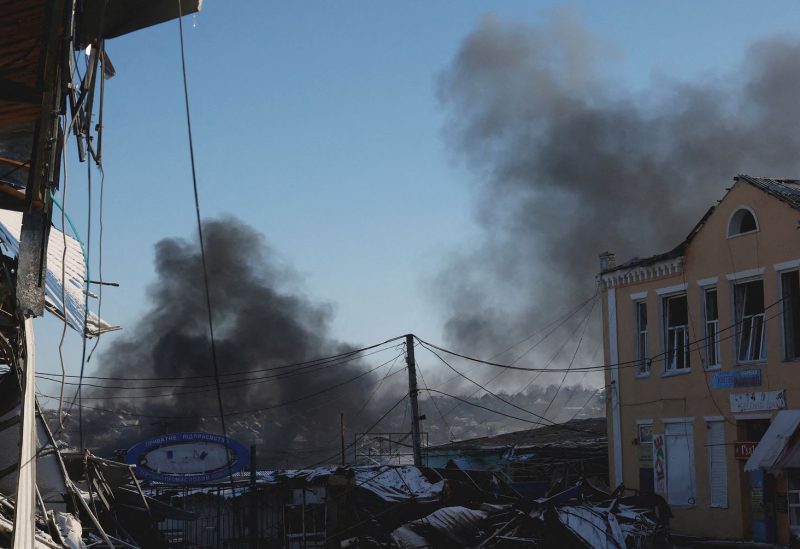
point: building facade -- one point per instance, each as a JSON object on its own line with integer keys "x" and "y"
{"x": 702, "y": 348}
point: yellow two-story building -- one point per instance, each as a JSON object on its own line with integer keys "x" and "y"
{"x": 702, "y": 353}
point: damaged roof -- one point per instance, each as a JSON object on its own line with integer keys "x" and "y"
{"x": 785, "y": 190}
{"x": 578, "y": 433}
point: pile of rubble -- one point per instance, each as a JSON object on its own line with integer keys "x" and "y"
{"x": 583, "y": 515}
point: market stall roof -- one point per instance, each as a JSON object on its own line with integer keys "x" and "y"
{"x": 778, "y": 448}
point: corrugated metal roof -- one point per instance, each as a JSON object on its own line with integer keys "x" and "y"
{"x": 74, "y": 274}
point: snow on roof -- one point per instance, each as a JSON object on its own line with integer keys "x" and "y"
{"x": 398, "y": 483}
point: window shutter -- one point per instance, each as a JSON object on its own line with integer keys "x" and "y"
{"x": 718, "y": 470}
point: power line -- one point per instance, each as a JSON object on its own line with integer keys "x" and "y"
{"x": 572, "y": 361}
{"x": 693, "y": 345}
{"x": 232, "y": 385}
{"x": 237, "y": 412}
{"x": 238, "y": 372}
{"x": 313, "y": 368}
{"x": 484, "y": 388}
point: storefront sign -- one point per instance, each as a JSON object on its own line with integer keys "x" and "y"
{"x": 758, "y": 400}
{"x": 659, "y": 464}
{"x": 184, "y": 458}
{"x": 743, "y": 450}
{"x": 737, "y": 378}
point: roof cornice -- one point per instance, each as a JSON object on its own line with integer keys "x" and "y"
{"x": 642, "y": 273}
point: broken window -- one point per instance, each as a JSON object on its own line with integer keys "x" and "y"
{"x": 712, "y": 328}
{"x": 790, "y": 295}
{"x": 642, "y": 364}
{"x": 749, "y": 304}
{"x": 676, "y": 320}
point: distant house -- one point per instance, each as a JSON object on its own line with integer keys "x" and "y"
{"x": 702, "y": 347}
{"x": 533, "y": 459}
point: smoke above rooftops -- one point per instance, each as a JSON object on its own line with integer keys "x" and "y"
{"x": 571, "y": 163}
{"x": 262, "y": 322}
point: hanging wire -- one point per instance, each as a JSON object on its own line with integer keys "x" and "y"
{"x": 206, "y": 284}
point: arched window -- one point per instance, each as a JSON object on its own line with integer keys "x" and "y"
{"x": 742, "y": 221}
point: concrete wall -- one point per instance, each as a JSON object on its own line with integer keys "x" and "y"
{"x": 689, "y": 394}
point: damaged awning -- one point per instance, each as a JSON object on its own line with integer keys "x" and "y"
{"x": 778, "y": 448}
{"x": 73, "y": 306}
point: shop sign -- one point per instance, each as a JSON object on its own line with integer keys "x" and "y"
{"x": 659, "y": 464}
{"x": 743, "y": 450}
{"x": 184, "y": 458}
{"x": 758, "y": 400}
{"x": 737, "y": 378}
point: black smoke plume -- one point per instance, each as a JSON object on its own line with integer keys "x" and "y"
{"x": 571, "y": 163}
{"x": 262, "y": 320}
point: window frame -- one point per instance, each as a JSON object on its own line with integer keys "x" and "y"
{"x": 781, "y": 272}
{"x": 707, "y": 347}
{"x": 665, "y": 337}
{"x": 792, "y": 473}
{"x": 734, "y": 212}
{"x": 735, "y": 283}
{"x": 643, "y": 365}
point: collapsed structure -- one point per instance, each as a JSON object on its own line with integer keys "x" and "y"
{"x": 44, "y": 101}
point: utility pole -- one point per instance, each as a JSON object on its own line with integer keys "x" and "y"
{"x": 412, "y": 395}
{"x": 341, "y": 428}
{"x": 253, "y": 500}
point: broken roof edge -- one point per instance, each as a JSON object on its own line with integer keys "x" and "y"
{"x": 585, "y": 431}
{"x": 778, "y": 188}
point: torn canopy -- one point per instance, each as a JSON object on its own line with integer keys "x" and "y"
{"x": 74, "y": 275}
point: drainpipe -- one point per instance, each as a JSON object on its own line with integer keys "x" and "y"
{"x": 613, "y": 354}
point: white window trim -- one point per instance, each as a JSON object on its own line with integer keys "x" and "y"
{"x": 704, "y": 351}
{"x": 639, "y": 296}
{"x": 677, "y": 288}
{"x": 644, "y": 422}
{"x": 780, "y": 270}
{"x": 678, "y": 420}
{"x": 637, "y": 374}
{"x": 745, "y": 417}
{"x": 734, "y": 212}
{"x": 787, "y": 265}
{"x": 735, "y": 338}
{"x": 742, "y": 276}
{"x": 710, "y": 281}
{"x": 671, "y": 291}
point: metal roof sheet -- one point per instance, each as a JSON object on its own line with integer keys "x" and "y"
{"x": 73, "y": 305}
{"x": 575, "y": 434}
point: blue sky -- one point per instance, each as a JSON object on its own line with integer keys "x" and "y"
{"x": 318, "y": 124}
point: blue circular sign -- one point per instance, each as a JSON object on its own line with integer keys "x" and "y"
{"x": 187, "y": 458}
